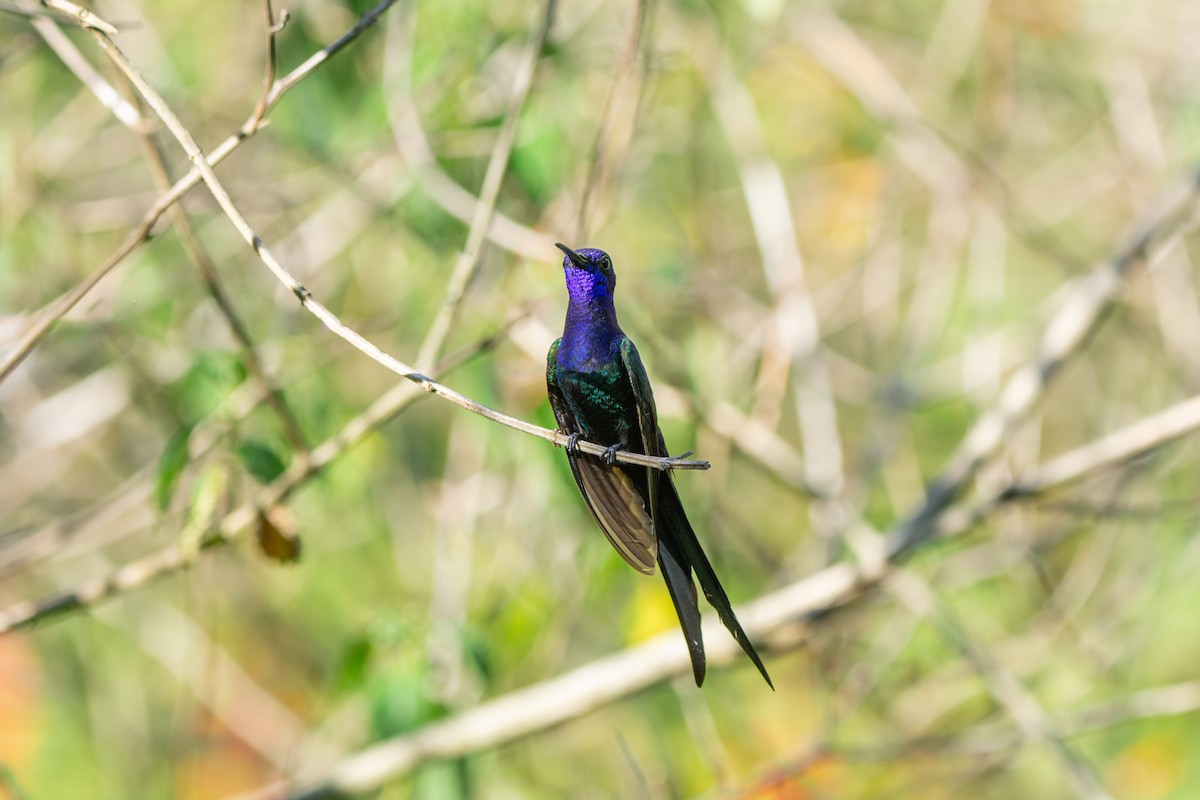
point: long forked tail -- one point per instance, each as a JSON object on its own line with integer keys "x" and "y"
{"x": 683, "y": 594}
{"x": 683, "y": 554}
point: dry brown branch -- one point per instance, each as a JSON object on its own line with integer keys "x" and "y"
{"x": 272, "y": 28}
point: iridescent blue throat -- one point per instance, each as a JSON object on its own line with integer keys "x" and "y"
{"x": 591, "y": 336}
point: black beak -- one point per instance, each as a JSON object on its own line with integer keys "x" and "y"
{"x": 577, "y": 260}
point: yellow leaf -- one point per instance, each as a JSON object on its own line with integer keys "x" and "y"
{"x": 651, "y": 611}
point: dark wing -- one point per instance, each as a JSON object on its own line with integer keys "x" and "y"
{"x": 668, "y": 515}
{"x": 647, "y": 414}
{"x": 611, "y": 495}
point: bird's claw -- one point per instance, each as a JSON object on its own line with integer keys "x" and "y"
{"x": 572, "y": 442}
{"x": 610, "y": 454}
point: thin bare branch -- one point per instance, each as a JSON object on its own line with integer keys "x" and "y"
{"x": 49, "y": 317}
{"x": 204, "y": 168}
{"x": 287, "y": 82}
{"x": 317, "y": 309}
{"x": 1143, "y": 436}
{"x": 466, "y": 266}
{"x": 216, "y": 289}
{"x": 793, "y": 343}
{"x": 272, "y": 29}
{"x": 617, "y": 123}
{"x": 419, "y": 158}
{"x": 777, "y": 618}
{"x": 1024, "y": 709}
{"x": 1081, "y": 312}
{"x": 83, "y": 16}
{"x": 69, "y": 54}
{"x": 236, "y": 522}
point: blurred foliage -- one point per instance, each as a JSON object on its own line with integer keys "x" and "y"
{"x": 948, "y": 166}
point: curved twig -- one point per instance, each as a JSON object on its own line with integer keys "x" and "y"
{"x": 59, "y": 308}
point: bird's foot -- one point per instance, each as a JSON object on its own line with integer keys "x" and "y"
{"x": 610, "y": 454}
{"x": 572, "y": 442}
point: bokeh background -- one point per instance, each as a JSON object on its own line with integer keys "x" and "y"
{"x": 839, "y": 227}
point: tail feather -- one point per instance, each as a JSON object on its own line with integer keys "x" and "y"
{"x": 683, "y": 594}
{"x": 676, "y": 536}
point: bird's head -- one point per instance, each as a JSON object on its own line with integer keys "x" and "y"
{"x": 589, "y": 272}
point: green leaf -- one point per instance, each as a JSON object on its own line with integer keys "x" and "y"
{"x": 399, "y": 699}
{"x": 351, "y": 670}
{"x": 208, "y": 495}
{"x": 475, "y": 651}
{"x": 208, "y": 383}
{"x": 171, "y": 465}
{"x": 260, "y": 460}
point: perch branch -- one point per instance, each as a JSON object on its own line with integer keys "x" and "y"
{"x": 778, "y": 617}
{"x": 159, "y": 106}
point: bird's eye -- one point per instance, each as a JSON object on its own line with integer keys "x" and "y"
{"x": 606, "y": 264}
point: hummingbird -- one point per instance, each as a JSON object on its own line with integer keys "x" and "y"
{"x": 599, "y": 392}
